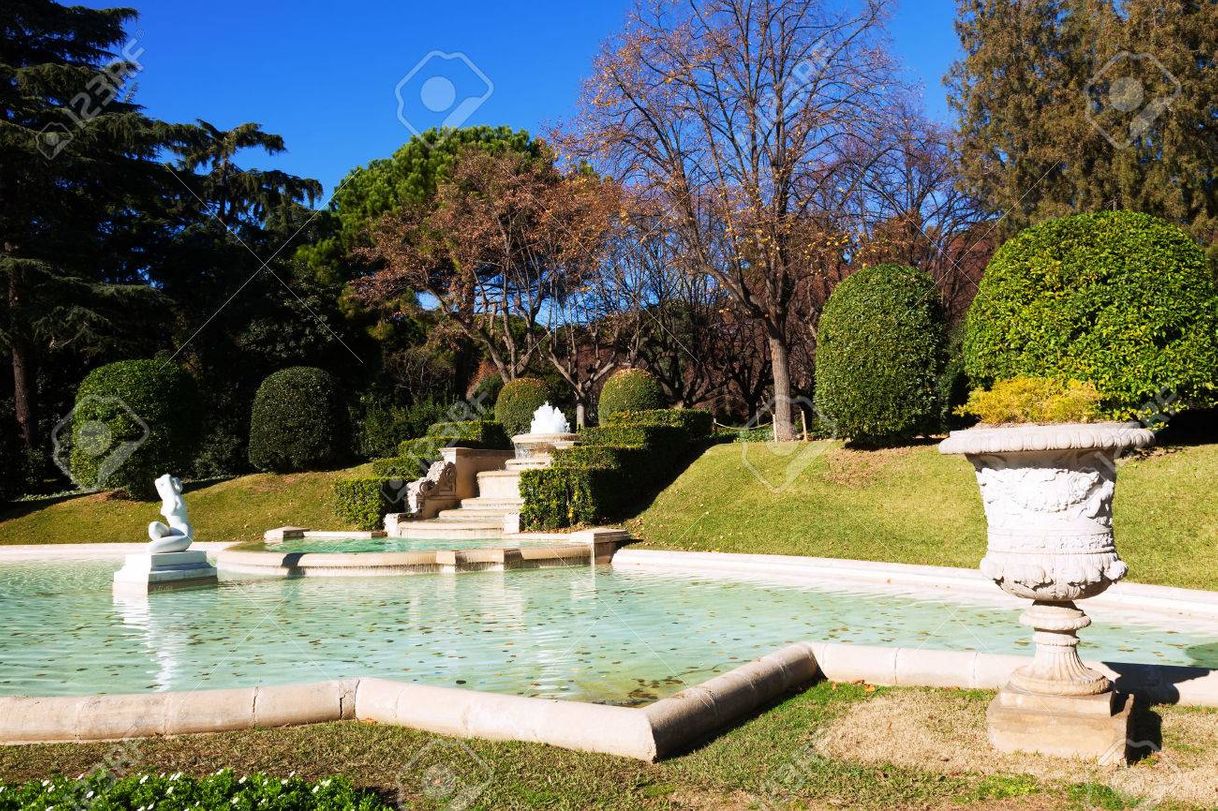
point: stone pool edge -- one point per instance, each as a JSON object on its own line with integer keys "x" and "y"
{"x": 648, "y": 733}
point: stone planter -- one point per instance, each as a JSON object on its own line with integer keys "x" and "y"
{"x": 1047, "y": 491}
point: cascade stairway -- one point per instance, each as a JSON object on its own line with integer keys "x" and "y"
{"x": 480, "y": 517}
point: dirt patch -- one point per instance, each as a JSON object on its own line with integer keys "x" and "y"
{"x": 852, "y": 467}
{"x": 944, "y": 731}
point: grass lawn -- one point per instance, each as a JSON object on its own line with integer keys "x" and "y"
{"x": 913, "y": 505}
{"x": 233, "y": 510}
{"x": 777, "y": 759}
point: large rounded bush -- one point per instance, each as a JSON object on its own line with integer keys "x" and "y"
{"x": 298, "y": 421}
{"x": 880, "y": 355}
{"x": 629, "y": 390}
{"x": 133, "y": 421}
{"x": 1124, "y": 300}
{"x": 517, "y": 401}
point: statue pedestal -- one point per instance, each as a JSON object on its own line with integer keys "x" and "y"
{"x": 1094, "y": 727}
{"x": 146, "y": 572}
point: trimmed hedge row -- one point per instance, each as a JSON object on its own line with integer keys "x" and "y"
{"x": 599, "y": 479}
{"x": 365, "y": 500}
{"x": 698, "y": 423}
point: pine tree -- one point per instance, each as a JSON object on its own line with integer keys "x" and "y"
{"x": 1081, "y": 105}
{"x": 75, "y": 153}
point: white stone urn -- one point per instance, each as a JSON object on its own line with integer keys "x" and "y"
{"x": 1047, "y": 491}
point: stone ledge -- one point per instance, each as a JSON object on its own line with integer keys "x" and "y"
{"x": 647, "y": 733}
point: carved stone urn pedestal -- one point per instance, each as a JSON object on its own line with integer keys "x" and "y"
{"x": 1048, "y": 492}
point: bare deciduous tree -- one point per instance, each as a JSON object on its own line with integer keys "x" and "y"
{"x": 743, "y": 118}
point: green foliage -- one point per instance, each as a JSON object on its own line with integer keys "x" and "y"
{"x": 365, "y": 500}
{"x": 559, "y": 497}
{"x": 409, "y": 177}
{"x": 133, "y": 421}
{"x": 881, "y": 351}
{"x": 517, "y": 401}
{"x": 696, "y": 422}
{"x": 629, "y": 390}
{"x": 1079, "y": 148}
{"x": 1034, "y": 399}
{"x": 384, "y": 425}
{"x": 298, "y": 421}
{"x": 1122, "y": 299}
{"x": 599, "y": 479}
{"x": 178, "y": 792}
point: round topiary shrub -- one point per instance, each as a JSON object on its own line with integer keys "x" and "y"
{"x": 517, "y": 401}
{"x": 298, "y": 421}
{"x": 629, "y": 390}
{"x": 880, "y": 356}
{"x": 1124, "y": 300}
{"x": 133, "y": 421}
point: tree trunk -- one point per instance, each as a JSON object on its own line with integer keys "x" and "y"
{"x": 783, "y": 431}
{"x": 581, "y": 416}
{"x": 23, "y": 376}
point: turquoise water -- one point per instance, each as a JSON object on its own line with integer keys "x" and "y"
{"x": 586, "y": 633}
{"x": 389, "y": 544}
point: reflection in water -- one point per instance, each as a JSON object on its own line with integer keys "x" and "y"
{"x": 163, "y": 638}
{"x": 582, "y": 632}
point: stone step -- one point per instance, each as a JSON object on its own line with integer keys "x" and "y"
{"x": 475, "y": 514}
{"x": 458, "y": 519}
{"x": 510, "y": 505}
{"x": 499, "y": 484}
{"x": 445, "y": 530}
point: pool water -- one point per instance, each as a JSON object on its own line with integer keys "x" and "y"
{"x": 589, "y": 633}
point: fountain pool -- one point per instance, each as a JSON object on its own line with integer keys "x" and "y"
{"x": 621, "y": 636}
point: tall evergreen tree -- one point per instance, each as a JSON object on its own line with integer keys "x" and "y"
{"x": 75, "y": 156}
{"x": 1079, "y": 105}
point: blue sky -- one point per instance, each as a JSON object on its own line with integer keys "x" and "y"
{"x": 323, "y": 74}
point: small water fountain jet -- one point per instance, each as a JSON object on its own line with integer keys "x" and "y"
{"x": 168, "y": 561}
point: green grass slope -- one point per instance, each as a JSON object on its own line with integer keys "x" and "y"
{"x": 912, "y": 505}
{"x": 236, "y": 509}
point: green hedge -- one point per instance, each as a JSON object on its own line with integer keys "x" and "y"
{"x": 696, "y": 422}
{"x": 365, "y": 500}
{"x": 517, "y": 401}
{"x": 881, "y": 350}
{"x": 1121, "y": 299}
{"x": 556, "y": 497}
{"x": 600, "y": 478}
{"x": 629, "y": 390}
{"x": 472, "y": 434}
{"x": 178, "y": 792}
{"x": 133, "y": 421}
{"x": 298, "y": 422}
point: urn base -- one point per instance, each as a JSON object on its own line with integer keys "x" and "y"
{"x": 1094, "y": 727}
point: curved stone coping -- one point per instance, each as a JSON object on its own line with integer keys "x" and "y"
{"x": 91, "y": 551}
{"x": 648, "y": 733}
{"x": 547, "y": 549}
{"x": 1108, "y": 436}
{"x": 919, "y": 667}
{"x": 1131, "y": 601}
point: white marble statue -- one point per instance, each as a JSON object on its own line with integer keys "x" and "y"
{"x": 177, "y": 536}
{"x": 549, "y": 420}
